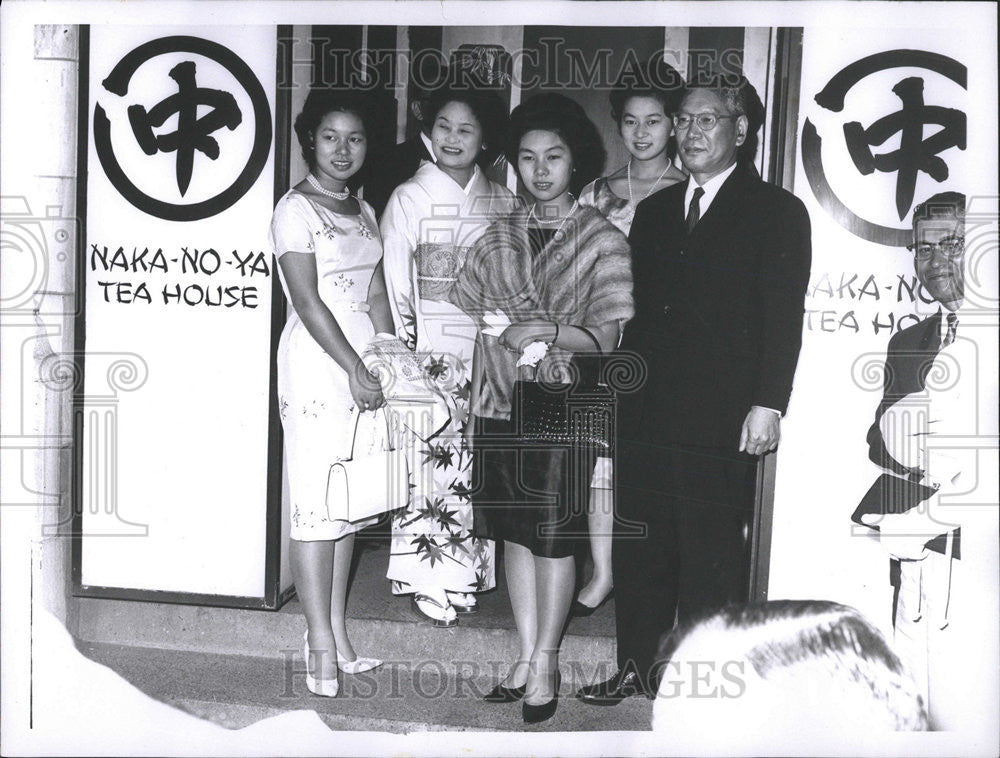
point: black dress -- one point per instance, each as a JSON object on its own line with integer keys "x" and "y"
{"x": 528, "y": 494}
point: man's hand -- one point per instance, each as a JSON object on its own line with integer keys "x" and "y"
{"x": 761, "y": 431}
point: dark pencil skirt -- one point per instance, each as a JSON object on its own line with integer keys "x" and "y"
{"x": 531, "y": 495}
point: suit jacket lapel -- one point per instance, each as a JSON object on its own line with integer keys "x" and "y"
{"x": 664, "y": 227}
{"x": 932, "y": 336}
{"x": 730, "y": 194}
{"x": 671, "y": 204}
{"x": 675, "y": 203}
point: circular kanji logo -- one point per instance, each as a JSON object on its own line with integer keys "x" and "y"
{"x": 915, "y": 152}
{"x": 181, "y": 125}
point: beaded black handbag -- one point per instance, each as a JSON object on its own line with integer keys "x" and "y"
{"x": 579, "y": 415}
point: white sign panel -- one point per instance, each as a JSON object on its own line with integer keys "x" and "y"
{"x": 178, "y": 309}
{"x": 888, "y": 118}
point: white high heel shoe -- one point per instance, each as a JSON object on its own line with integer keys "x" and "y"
{"x": 321, "y": 687}
{"x": 358, "y": 665}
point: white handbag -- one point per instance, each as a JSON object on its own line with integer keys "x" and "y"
{"x": 370, "y": 485}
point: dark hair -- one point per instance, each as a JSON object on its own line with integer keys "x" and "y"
{"x": 552, "y": 112}
{"x": 320, "y": 102}
{"x": 740, "y": 98}
{"x": 941, "y": 204}
{"x": 428, "y": 73}
{"x": 656, "y": 79}
{"x": 817, "y": 643}
{"x": 488, "y": 109}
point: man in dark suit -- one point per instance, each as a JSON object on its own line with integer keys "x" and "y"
{"x": 935, "y": 505}
{"x": 399, "y": 164}
{"x": 898, "y": 439}
{"x": 721, "y": 265}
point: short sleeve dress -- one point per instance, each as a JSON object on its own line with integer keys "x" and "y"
{"x": 314, "y": 398}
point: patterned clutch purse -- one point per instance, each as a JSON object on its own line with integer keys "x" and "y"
{"x": 565, "y": 415}
{"x": 577, "y": 415}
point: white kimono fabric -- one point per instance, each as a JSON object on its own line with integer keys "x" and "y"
{"x": 427, "y": 228}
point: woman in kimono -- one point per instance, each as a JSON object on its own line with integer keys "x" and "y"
{"x": 642, "y": 104}
{"x": 429, "y": 224}
{"x": 561, "y": 274}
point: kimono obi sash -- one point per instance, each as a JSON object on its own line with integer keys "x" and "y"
{"x": 437, "y": 267}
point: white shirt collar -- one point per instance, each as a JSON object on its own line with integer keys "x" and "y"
{"x": 429, "y": 145}
{"x": 711, "y": 188}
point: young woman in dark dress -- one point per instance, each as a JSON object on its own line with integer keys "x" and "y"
{"x": 560, "y": 272}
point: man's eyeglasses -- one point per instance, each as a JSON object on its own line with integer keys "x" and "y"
{"x": 949, "y": 247}
{"x": 706, "y": 121}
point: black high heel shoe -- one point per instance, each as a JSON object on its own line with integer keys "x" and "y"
{"x": 535, "y": 714}
{"x": 502, "y": 694}
{"x": 579, "y": 609}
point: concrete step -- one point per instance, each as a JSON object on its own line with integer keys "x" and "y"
{"x": 381, "y": 625}
{"x": 237, "y": 666}
{"x": 400, "y": 697}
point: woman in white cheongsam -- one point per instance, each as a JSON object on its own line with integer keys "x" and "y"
{"x": 327, "y": 244}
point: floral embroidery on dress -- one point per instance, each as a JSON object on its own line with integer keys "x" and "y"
{"x": 314, "y": 408}
{"x": 306, "y": 516}
{"x": 329, "y": 231}
{"x": 282, "y": 407}
{"x": 343, "y": 281}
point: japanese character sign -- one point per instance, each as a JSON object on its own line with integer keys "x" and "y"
{"x": 184, "y": 124}
{"x": 925, "y": 131}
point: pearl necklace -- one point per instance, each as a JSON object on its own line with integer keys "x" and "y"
{"x": 628, "y": 172}
{"x": 531, "y": 214}
{"x": 343, "y": 195}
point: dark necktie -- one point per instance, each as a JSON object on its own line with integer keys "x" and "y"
{"x": 694, "y": 212}
{"x": 949, "y": 336}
